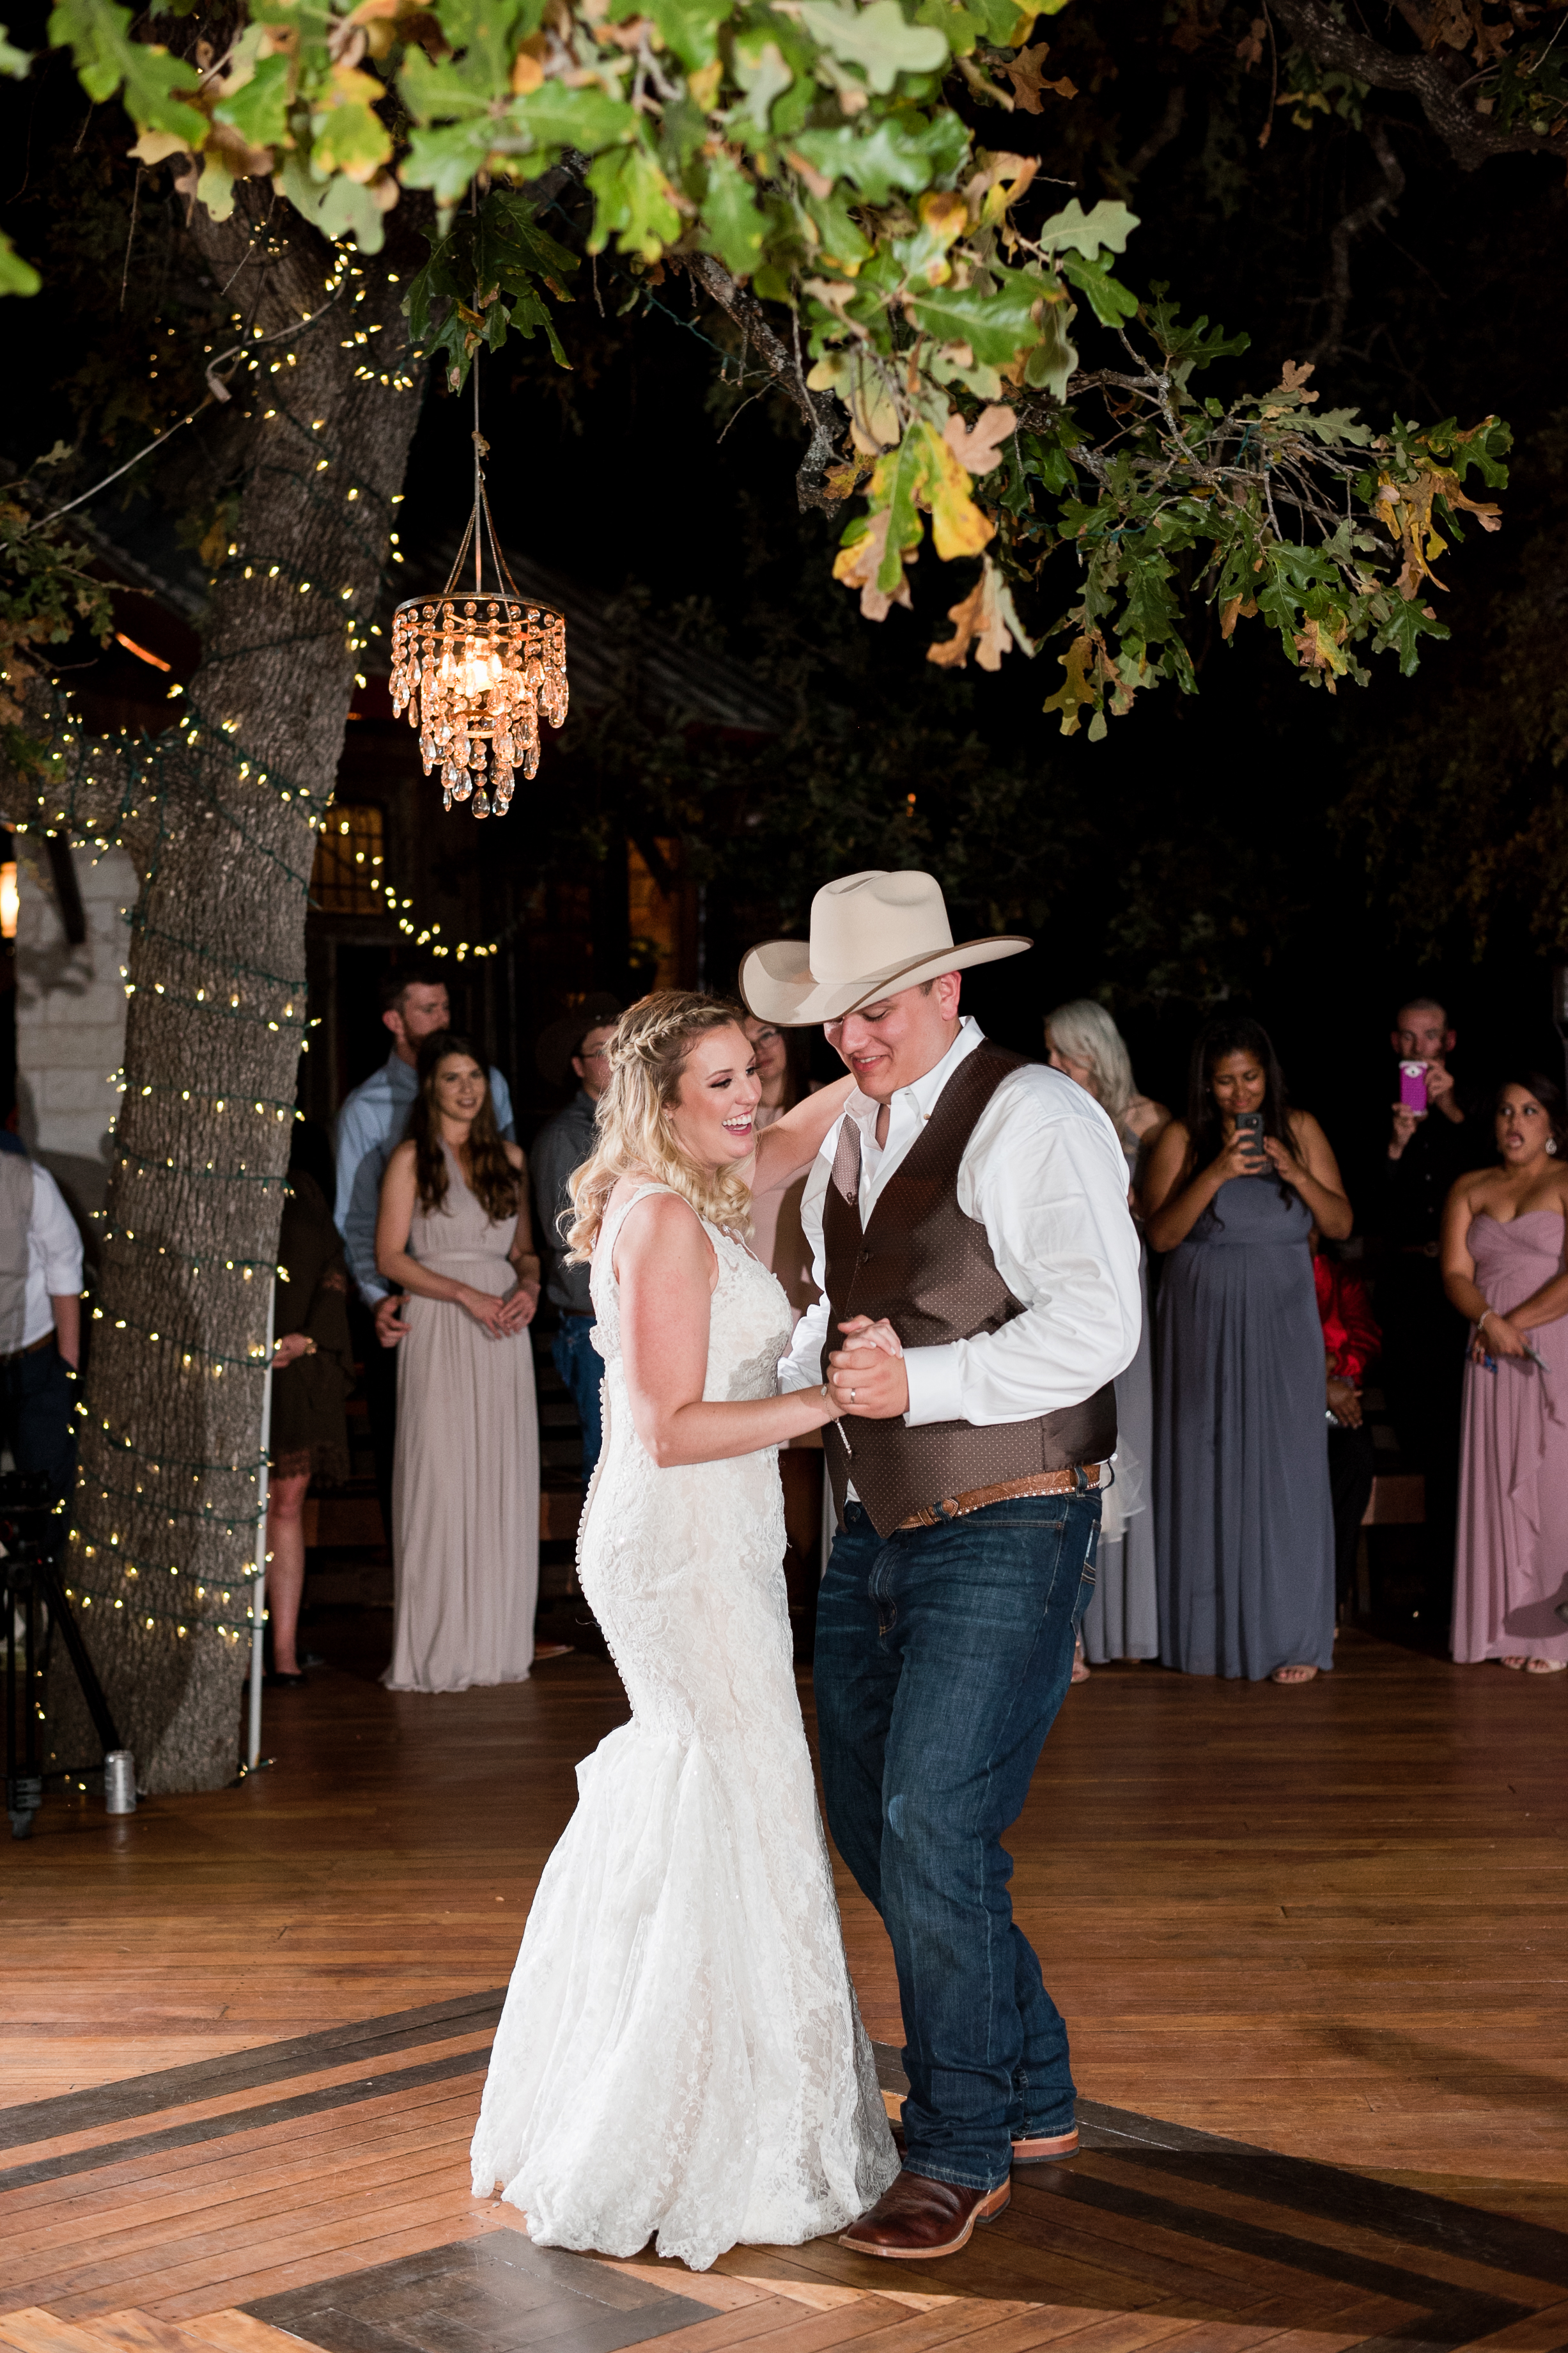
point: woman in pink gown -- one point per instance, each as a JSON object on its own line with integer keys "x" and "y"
{"x": 1506, "y": 1267}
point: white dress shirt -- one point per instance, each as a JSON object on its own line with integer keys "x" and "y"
{"x": 54, "y": 1256}
{"x": 1043, "y": 1172}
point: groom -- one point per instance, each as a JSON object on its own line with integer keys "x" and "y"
{"x": 978, "y": 1204}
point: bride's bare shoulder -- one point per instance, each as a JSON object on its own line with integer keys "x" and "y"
{"x": 666, "y": 1232}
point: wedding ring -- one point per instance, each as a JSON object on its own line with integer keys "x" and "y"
{"x": 853, "y": 1394}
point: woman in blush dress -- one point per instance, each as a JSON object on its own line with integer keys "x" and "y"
{"x": 1243, "y": 1513}
{"x": 1122, "y": 1622}
{"x": 1504, "y": 1266}
{"x": 681, "y": 2057}
{"x": 453, "y": 1231}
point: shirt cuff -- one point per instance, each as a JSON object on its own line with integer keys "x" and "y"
{"x": 935, "y": 1376}
{"x": 373, "y": 1299}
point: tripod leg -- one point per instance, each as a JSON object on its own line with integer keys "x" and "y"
{"x": 48, "y": 1578}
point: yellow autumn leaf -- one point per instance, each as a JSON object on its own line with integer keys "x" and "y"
{"x": 958, "y": 526}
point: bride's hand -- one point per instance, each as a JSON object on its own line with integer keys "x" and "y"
{"x": 863, "y": 1334}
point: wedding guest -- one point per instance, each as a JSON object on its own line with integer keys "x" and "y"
{"x": 1506, "y": 1269}
{"x": 40, "y": 1322}
{"x": 373, "y": 1118}
{"x": 1122, "y": 1622}
{"x": 1243, "y": 1515}
{"x": 778, "y": 1237}
{"x": 312, "y": 1373}
{"x": 1351, "y": 1344}
{"x": 1424, "y": 1339}
{"x": 577, "y": 1044}
{"x": 454, "y": 1234}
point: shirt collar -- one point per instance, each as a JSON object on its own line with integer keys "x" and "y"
{"x": 400, "y": 1078}
{"x": 919, "y": 1098}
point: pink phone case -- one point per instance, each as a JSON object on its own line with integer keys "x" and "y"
{"x": 1413, "y": 1086}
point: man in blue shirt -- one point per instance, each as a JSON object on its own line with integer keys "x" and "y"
{"x": 371, "y": 1126}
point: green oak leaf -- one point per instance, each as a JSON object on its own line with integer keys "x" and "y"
{"x": 733, "y": 226}
{"x": 1109, "y": 300}
{"x": 690, "y": 27}
{"x": 763, "y": 75}
{"x": 1405, "y": 626}
{"x": 556, "y": 116}
{"x": 17, "y": 276}
{"x": 14, "y": 61}
{"x": 879, "y": 39}
{"x": 445, "y": 159}
{"x": 1074, "y": 231}
{"x": 351, "y": 139}
{"x": 893, "y": 152}
{"x": 632, "y": 198}
{"x": 1050, "y": 365}
{"x": 340, "y": 208}
{"x": 99, "y": 36}
{"x": 258, "y": 108}
{"x": 997, "y": 326}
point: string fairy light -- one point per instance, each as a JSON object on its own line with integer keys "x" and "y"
{"x": 79, "y": 796}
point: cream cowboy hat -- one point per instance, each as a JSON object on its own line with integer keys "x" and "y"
{"x": 870, "y": 933}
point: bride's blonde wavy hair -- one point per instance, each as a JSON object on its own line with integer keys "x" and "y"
{"x": 647, "y": 1054}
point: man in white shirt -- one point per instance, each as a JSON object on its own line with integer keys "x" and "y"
{"x": 40, "y": 1322}
{"x": 969, "y": 1221}
{"x": 371, "y": 1126}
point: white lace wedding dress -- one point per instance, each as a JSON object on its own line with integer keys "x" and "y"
{"x": 680, "y": 2054}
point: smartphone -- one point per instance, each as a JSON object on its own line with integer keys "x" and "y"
{"x": 1413, "y": 1086}
{"x": 1250, "y": 1124}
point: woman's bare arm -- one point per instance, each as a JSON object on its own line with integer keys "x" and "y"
{"x": 1308, "y": 1163}
{"x": 665, "y": 1267}
{"x": 794, "y": 1142}
{"x": 1459, "y": 1266}
{"x": 521, "y": 1305}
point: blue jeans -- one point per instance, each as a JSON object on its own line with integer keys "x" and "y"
{"x": 582, "y": 1369}
{"x": 941, "y": 1657}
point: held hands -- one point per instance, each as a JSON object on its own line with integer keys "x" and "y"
{"x": 1496, "y": 1336}
{"x": 1345, "y": 1402}
{"x": 389, "y": 1326}
{"x": 288, "y": 1351}
{"x": 867, "y": 1377}
{"x": 499, "y": 1318}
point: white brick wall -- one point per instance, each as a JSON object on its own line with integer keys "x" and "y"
{"x": 70, "y": 1015}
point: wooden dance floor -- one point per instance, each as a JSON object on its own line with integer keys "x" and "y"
{"x": 1312, "y": 1946}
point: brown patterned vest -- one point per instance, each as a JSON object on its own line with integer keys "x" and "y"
{"x": 929, "y": 1269}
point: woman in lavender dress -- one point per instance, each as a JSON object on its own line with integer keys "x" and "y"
{"x": 1503, "y": 1266}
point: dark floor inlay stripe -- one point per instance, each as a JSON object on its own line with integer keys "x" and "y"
{"x": 242, "y": 2120}
{"x": 495, "y": 2295}
{"x": 1303, "y": 2184}
{"x": 1445, "y": 2315}
{"x": 268, "y": 2062}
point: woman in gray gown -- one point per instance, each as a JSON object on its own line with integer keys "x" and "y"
{"x": 1243, "y": 1516}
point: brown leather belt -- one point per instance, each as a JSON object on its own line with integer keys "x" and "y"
{"x": 1042, "y": 1482}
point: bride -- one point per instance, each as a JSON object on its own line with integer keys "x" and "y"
{"x": 680, "y": 2052}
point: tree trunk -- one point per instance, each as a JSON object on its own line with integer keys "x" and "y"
{"x": 219, "y": 814}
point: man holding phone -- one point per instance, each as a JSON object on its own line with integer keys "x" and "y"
{"x": 1424, "y": 1339}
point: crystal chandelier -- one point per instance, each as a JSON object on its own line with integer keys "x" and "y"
{"x": 474, "y": 667}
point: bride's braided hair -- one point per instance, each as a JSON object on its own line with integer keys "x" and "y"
{"x": 647, "y": 1054}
